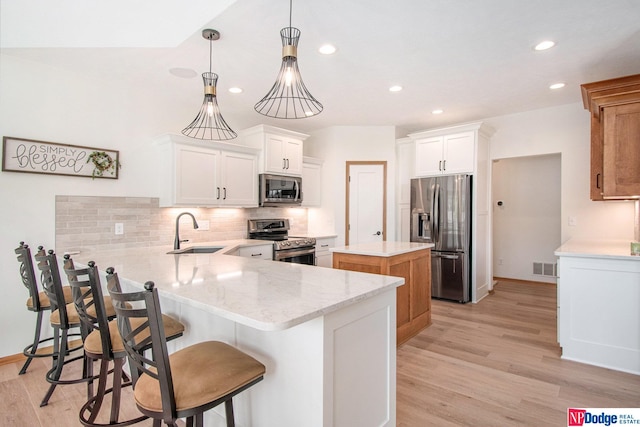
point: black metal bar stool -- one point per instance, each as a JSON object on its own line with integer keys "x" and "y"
{"x": 38, "y": 302}
{"x": 63, "y": 318}
{"x": 103, "y": 343}
{"x": 186, "y": 383}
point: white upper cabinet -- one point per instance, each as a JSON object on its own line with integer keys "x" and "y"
{"x": 311, "y": 182}
{"x": 280, "y": 149}
{"x": 206, "y": 173}
{"x": 445, "y": 154}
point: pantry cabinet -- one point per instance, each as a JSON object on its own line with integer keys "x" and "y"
{"x": 615, "y": 137}
{"x": 280, "y": 149}
{"x": 214, "y": 175}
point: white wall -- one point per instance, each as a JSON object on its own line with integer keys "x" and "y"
{"x": 526, "y": 226}
{"x": 48, "y": 104}
{"x": 564, "y": 130}
{"x": 337, "y": 145}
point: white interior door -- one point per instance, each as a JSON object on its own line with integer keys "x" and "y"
{"x": 366, "y": 218}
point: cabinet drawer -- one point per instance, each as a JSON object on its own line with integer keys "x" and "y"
{"x": 259, "y": 252}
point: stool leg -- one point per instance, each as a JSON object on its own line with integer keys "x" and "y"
{"x": 117, "y": 388}
{"x": 34, "y": 347}
{"x": 102, "y": 387}
{"x": 60, "y": 349}
{"x": 228, "y": 409}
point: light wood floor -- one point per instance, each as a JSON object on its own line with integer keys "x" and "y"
{"x": 495, "y": 363}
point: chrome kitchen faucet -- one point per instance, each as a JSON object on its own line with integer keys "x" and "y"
{"x": 176, "y": 241}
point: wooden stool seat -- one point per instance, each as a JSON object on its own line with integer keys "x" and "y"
{"x": 45, "y": 304}
{"x": 74, "y": 317}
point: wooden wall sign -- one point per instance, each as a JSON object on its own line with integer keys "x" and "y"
{"x": 26, "y": 155}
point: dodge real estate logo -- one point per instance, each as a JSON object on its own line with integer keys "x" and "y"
{"x": 576, "y": 417}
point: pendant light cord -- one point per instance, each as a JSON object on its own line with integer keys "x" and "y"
{"x": 290, "y": 9}
{"x": 210, "y": 51}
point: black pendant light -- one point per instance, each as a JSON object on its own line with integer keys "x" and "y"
{"x": 289, "y": 97}
{"x": 209, "y": 123}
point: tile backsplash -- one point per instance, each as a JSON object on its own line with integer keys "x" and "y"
{"x": 87, "y": 223}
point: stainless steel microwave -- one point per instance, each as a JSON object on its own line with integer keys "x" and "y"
{"x": 280, "y": 190}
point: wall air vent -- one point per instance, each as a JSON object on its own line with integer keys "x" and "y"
{"x": 545, "y": 269}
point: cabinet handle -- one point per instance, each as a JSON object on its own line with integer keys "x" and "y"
{"x": 224, "y": 191}
{"x": 444, "y": 165}
{"x": 284, "y": 163}
{"x": 597, "y": 180}
{"x": 440, "y": 165}
{"x": 324, "y": 246}
{"x": 260, "y": 254}
{"x": 287, "y": 163}
{"x": 218, "y": 193}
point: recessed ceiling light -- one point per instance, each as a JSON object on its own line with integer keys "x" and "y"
{"x": 327, "y": 49}
{"x": 438, "y": 111}
{"x": 395, "y": 88}
{"x": 556, "y": 86}
{"x": 235, "y": 90}
{"x": 185, "y": 73}
{"x": 547, "y": 44}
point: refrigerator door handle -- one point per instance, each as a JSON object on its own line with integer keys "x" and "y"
{"x": 436, "y": 216}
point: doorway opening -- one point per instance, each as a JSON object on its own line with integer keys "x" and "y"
{"x": 526, "y": 193}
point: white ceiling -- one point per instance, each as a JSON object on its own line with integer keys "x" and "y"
{"x": 472, "y": 58}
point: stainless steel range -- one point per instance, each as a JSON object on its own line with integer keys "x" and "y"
{"x": 298, "y": 250}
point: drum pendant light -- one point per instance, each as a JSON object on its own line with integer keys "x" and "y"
{"x": 289, "y": 97}
{"x": 209, "y": 123}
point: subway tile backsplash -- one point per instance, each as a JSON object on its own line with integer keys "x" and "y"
{"x": 87, "y": 223}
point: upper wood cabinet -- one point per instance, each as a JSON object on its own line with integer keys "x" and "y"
{"x": 281, "y": 149}
{"x": 615, "y": 137}
{"x": 213, "y": 175}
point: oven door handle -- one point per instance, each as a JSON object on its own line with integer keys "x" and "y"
{"x": 289, "y": 253}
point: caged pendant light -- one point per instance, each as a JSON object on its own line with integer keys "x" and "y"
{"x": 289, "y": 97}
{"x": 209, "y": 123}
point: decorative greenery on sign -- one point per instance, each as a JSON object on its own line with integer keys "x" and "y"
{"x": 102, "y": 163}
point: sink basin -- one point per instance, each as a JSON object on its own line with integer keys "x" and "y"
{"x": 197, "y": 250}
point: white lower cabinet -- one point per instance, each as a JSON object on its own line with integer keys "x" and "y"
{"x": 323, "y": 256}
{"x": 257, "y": 251}
{"x": 212, "y": 175}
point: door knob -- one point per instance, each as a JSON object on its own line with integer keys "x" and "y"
{"x": 377, "y": 233}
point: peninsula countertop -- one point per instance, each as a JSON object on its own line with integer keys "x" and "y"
{"x": 382, "y": 249}
{"x": 265, "y": 295}
{"x": 612, "y": 249}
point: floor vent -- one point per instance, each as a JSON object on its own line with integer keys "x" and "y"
{"x": 545, "y": 269}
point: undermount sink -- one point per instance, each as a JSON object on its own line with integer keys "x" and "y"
{"x": 196, "y": 250}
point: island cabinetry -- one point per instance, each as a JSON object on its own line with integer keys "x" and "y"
{"x": 615, "y": 137}
{"x": 280, "y": 149}
{"x": 208, "y": 176}
{"x": 413, "y": 299}
{"x": 598, "y": 317}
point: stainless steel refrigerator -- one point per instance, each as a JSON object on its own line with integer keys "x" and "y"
{"x": 441, "y": 214}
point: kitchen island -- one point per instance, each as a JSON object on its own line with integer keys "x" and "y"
{"x": 327, "y": 337}
{"x": 409, "y": 260}
{"x": 599, "y": 304}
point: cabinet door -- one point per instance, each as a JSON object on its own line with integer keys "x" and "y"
{"x": 311, "y": 184}
{"x": 621, "y": 166}
{"x": 197, "y": 176}
{"x": 239, "y": 179}
{"x": 292, "y": 152}
{"x": 458, "y": 153}
{"x": 324, "y": 258}
{"x": 275, "y": 162}
{"x": 429, "y": 156}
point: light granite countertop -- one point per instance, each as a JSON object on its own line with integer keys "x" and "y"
{"x": 382, "y": 249}
{"x": 265, "y": 295}
{"x": 614, "y": 249}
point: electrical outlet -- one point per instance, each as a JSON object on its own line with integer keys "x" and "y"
{"x": 119, "y": 228}
{"x": 203, "y": 225}
{"x": 573, "y": 221}
{"x": 500, "y": 261}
